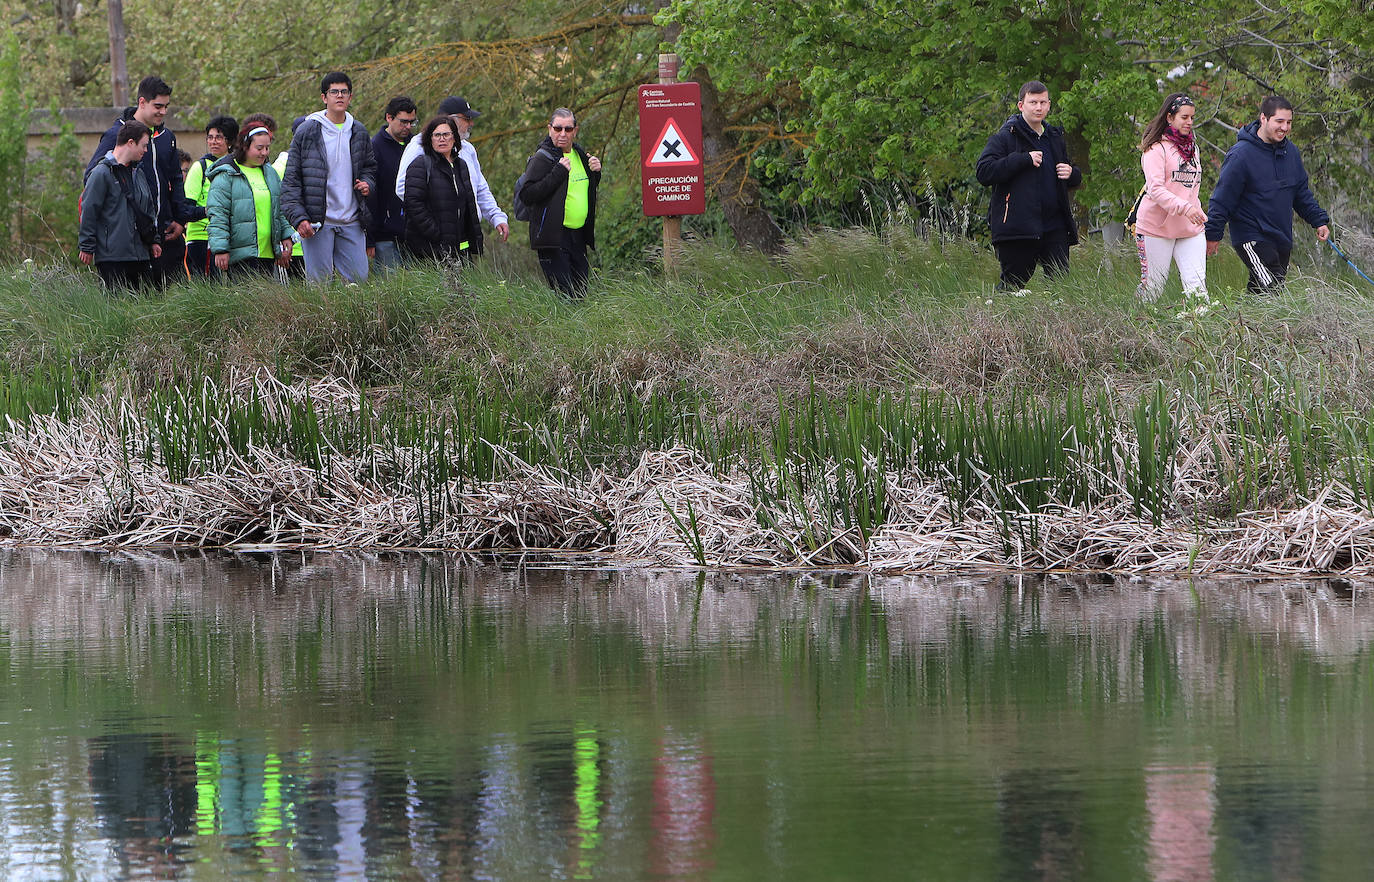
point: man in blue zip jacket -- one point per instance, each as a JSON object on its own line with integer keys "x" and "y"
{"x": 162, "y": 170}
{"x": 1262, "y": 182}
{"x": 1027, "y": 166}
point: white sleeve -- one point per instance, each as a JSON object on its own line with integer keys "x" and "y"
{"x": 407, "y": 157}
{"x": 486, "y": 202}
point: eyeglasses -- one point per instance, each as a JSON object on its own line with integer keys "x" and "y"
{"x": 215, "y": 137}
{"x": 403, "y": 122}
{"x": 441, "y": 136}
{"x": 560, "y": 129}
{"x": 339, "y": 93}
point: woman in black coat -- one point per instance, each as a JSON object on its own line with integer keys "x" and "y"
{"x": 441, "y": 211}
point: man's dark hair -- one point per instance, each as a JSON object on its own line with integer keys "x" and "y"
{"x": 399, "y": 104}
{"x": 1031, "y": 87}
{"x": 227, "y": 125}
{"x": 335, "y": 76}
{"x": 151, "y": 87}
{"x": 1273, "y": 104}
{"x": 132, "y": 130}
{"x": 183, "y": 158}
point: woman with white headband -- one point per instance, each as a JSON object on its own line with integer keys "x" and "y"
{"x": 248, "y": 232}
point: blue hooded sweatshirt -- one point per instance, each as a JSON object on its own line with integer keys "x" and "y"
{"x": 1259, "y": 188}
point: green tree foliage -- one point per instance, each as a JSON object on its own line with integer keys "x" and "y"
{"x": 878, "y": 92}
{"x": 14, "y": 123}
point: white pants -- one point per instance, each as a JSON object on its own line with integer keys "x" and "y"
{"x": 1155, "y": 256}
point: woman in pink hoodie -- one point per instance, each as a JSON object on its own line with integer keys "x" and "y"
{"x": 1169, "y": 223}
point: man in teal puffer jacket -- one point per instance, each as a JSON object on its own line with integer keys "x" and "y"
{"x": 248, "y": 231}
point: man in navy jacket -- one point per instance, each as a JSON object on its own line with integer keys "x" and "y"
{"x": 1027, "y": 166}
{"x": 387, "y": 209}
{"x": 1262, "y": 182}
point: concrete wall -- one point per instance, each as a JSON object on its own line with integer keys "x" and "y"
{"x": 90, "y": 123}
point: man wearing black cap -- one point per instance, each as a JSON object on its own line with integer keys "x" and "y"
{"x": 463, "y": 116}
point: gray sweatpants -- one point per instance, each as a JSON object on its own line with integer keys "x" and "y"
{"x": 341, "y": 247}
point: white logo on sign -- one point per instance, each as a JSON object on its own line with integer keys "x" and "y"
{"x": 672, "y": 148}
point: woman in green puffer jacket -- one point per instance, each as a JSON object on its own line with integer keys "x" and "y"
{"x": 248, "y": 232}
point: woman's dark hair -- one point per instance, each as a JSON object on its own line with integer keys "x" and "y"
{"x": 426, "y": 136}
{"x": 1154, "y": 132}
{"x": 227, "y": 125}
{"x": 245, "y": 140}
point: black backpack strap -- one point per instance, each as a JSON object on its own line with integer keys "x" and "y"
{"x": 147, "y": 231}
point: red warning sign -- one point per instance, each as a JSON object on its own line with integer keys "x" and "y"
{"x": 671, "y": 167}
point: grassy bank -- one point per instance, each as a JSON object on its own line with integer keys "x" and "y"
{"x": 867, "y": 400}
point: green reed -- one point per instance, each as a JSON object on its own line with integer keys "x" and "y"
{"x": 823, "y": 467}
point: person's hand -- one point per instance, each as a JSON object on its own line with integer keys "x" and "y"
{"x": 1212, "y": 248}
{"x": 174, "y": 231}
{"x": 222, "y": 261}
{"x": 1197, "y": 216}
{"x": 1062, "y": 171}
{"x": 1037, "y": 157}
{"x": 504, "y": 231}
{"x": 157, "y": 251}
{"x": 88, "y": 257}
{"x": 566, "y": 163}
{"x": 1323, "y": 233}
{"x": 362, "y": 187}
{"x": 305, "y": 229}
{"x": 284, "y": 254}
{"x": 593, "y": 163}
{"x": 372, "y": 252}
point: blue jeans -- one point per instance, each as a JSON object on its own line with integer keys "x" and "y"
{"x": 388, "y": 255}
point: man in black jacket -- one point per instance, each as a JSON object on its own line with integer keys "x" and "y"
{"x": 1027, "y": 166}
{"x": 387, "y": 209}
{"x": 560, "y": 189}
{"x": 162, "y": 170}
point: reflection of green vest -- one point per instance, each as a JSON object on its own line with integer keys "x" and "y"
{"x": 575, "y": 207}
{"x": 198, "y": 190}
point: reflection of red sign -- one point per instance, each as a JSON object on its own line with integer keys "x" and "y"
{"x": 670, "y": 150}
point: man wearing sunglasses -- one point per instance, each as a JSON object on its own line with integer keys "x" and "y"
{"x": 559, "y": 186}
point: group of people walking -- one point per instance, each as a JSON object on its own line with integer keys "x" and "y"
{"x": 336, "y": 201}
{"x": 1261, "y": 184}
{"x": 338, "y": 198}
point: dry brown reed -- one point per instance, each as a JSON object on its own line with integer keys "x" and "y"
{"x": 79, "y": 483}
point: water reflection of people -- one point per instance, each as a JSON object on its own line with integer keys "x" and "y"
{"x": 1180, "y": 802}
{"x": 1042, "y": 826}
{"x": 144, "y": 792}
{"x": 684, "y": 811}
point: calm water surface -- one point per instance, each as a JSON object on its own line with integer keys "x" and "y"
{"x": 350, "y": 717}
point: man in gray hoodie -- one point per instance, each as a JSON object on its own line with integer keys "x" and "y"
{"x": 119, "y": 231}
{"x": 330, "y": 172}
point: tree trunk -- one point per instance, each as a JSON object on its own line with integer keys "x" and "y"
{"x": 738, "y": 193}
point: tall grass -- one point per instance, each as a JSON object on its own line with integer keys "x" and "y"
{"x": 858, "y": 362}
